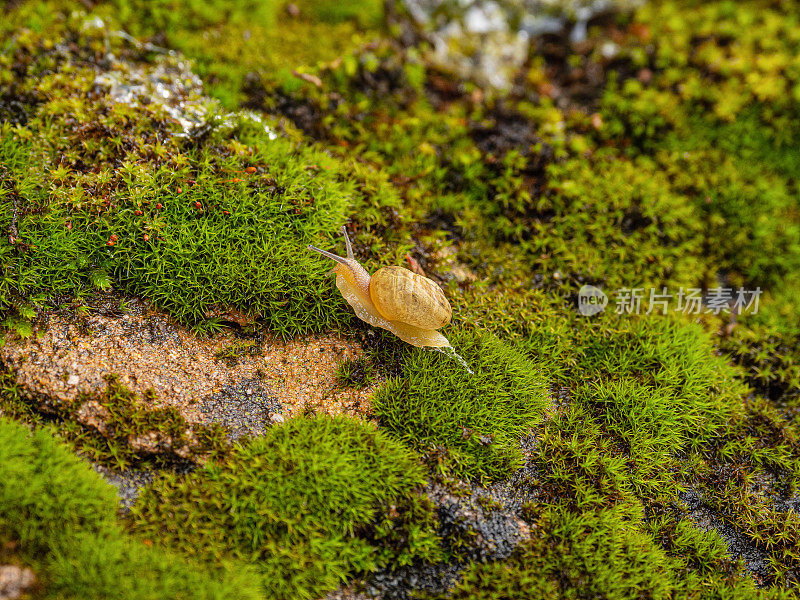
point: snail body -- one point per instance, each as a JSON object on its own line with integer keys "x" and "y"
{"x": 411, "y": 306}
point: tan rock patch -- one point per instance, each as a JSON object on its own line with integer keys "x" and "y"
{"x": 168, "y": 366}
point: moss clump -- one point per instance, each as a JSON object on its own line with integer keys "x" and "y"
{"x": 675, "y": 359}
{"x": 598, "y": 554}
{"x": 115, "y": 428}
{"x": 61, "y": 493}
{"x": 471, "y": 423}
{"x": 63, "y": 520}
{"x": 650, "y": 393}
{"x": 186, "y": 222}
{"x": 769, "y": 356}
{"x": 292, "y": 504}
{"x": 748, "y": 469}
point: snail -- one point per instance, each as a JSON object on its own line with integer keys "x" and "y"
{"x": 411, "y": 306}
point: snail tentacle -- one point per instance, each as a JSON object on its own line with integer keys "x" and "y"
{"x": 348, "y": 244}
{"x": 338, "y": 259}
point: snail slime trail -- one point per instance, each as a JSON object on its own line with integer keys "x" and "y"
{"x": 450, "y": 351}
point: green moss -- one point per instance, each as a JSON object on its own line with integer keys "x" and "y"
{"x": 161, "y": 217}
{"x": 719, "y": 120}
{"x": 146, "y": 18}
{"x": 576, "y": 465}
{"x": 235, "y": 44}
{"x": 63, "y": 519}
{"x": 675, "y": 357}
{"x": 119, "y": 566}
{"x": 469, "y": 423}
{"x": 766, "y": 346}
{"x": 685, "y": 177}
{"x": 642, "y": 396}
{"x": 600, "y": 554}
{"x": 115, "y": 427}
{"x": 356, "y": 373}
{"x": 61, "y": 493}
{"x": 293, "y": 503}
{"x": 368, "y": 13}
{"x": 609, "y": 212}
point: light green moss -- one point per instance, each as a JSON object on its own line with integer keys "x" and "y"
{"x": 63, "y": 520}
{"x": 295, "y": 504}
{"x": 468, "y": 423}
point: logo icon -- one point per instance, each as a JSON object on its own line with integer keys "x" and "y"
{"x": 591, "y": 300}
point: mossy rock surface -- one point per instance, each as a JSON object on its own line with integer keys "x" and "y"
{"x": 186, "y": 153}
{"x": 62, "y": 521}
{"x": 292, "y": 503}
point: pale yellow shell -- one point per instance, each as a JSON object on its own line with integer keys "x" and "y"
{"x": 403, "y": 296}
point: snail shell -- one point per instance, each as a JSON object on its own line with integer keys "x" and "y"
{"x": 411, "y": 306}
{"x": 402, "y": 295}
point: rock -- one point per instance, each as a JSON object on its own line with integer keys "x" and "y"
{"x": 73, "y": 380}
{"x": 490, "y": 533}
{"x": 94, "y": 415}
{"x": 191, "y": 444}
{"x": 276, "y": 418}
{"x": 151, "y": 442}
{"x": 14, "y": 580}
{"x": 128, "y": 482}
{"x": 489, "y": 41}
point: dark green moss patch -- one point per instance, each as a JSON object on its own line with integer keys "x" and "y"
{"x": 771, "y": 360}
{"x": 234, "y": 41}
{"x": 293, "y": 503}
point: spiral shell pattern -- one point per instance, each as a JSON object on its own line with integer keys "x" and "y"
{"x": 401, "y": 295}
